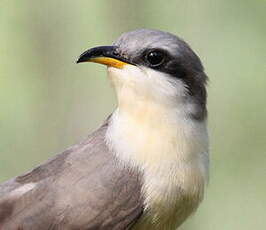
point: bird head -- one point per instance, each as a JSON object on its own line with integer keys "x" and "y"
{"x": 154, "y": 67}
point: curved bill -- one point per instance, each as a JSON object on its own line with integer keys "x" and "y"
{"x": 106, "y": 55}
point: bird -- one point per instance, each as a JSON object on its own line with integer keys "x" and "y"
{"x": 145, "y": 167}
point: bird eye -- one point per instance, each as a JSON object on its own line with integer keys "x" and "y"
{"x": 155, "y": 58}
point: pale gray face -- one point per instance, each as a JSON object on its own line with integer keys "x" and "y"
{"x": 166, "y": 53}
{"x": 136, "y": 44}
{"x": 159, "y": 52}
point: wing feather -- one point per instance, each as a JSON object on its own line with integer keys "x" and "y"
{"x": 85, "y": 187}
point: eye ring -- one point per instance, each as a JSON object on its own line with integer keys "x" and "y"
{"x": 155, "y": 58}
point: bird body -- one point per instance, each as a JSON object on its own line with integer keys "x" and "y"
{"x": 145, "y": 167}
{"x": 71, "y": 190}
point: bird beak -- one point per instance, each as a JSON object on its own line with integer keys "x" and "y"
{"x": 106, "y": 55}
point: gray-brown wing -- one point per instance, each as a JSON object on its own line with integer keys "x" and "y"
{"x": 85, "y": 187}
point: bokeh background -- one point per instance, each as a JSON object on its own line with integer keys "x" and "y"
{"x": 48, "y": 102}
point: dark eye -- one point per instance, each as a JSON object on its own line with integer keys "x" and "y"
{"x": 155, "y": 58}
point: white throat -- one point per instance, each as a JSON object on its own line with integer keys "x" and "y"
{"x": 151, "y": 130}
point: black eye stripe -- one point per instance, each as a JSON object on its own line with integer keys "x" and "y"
{"x": 154, "y": 58}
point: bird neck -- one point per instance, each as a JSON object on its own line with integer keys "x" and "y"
{"x": 146, "y": 133}
{"x": 169, "y": 148}
{"x": 152, "y": 127}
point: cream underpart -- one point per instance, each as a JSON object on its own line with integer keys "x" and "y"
{"x": 151, "y": 130}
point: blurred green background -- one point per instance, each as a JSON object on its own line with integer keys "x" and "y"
{"x": 48, "y": 102}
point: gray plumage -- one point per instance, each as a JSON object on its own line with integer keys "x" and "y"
{"x": 145, "y": 167}
{"x": 84, "y": 187}
{"x": 183, "y": 62}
